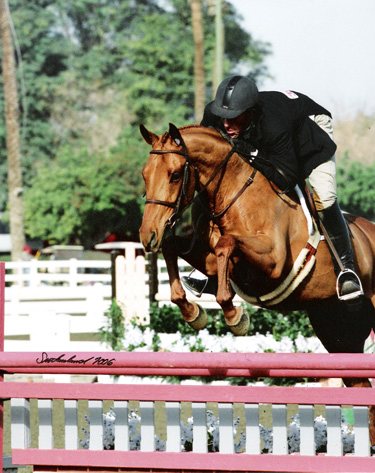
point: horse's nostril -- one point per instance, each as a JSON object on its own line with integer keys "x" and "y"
{"x": 152, "y": 239}
{"x": 152, "y": 243}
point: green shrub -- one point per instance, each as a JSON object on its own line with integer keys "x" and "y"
{"x": 168, "y": 319}
{"x": 114, "y": 330}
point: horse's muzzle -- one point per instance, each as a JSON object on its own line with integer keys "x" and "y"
{"x": 150, "y": 241}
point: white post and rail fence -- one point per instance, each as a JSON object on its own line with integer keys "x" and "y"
{"x": 60, "y": 302}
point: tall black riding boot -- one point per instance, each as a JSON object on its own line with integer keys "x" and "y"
{"x": 200, "y": 286}
{"x": 349, "y": 287}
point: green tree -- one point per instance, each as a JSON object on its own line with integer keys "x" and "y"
{"x": 158, "y": 72}
{"x": 81, "y": 196}
{"x": 13, "y": 135}
{"x": 356, "y": 188}
{"x": 43, "y": 57}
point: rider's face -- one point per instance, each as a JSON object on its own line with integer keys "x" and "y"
{"x": 234, "y": 126}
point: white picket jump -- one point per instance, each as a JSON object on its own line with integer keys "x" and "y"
{"x": 126, "y": 431}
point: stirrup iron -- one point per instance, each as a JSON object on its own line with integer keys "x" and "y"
{"x": 352, "y": 295}
{"x": 188, "y": 286}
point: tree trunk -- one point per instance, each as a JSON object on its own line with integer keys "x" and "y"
{"x": 199, "y": 82}
{"x": 219, "y": 46}
{"x": 15, "y": 203}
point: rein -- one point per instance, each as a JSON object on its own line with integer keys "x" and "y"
{"x": 248, "y": 182}
{"x": 200, "y": 188}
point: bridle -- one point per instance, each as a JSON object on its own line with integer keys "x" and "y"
{"x": 177, "y": 205}
{"x": 199, "y": 188}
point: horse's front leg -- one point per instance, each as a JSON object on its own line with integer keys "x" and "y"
{"x": 192, "y": 313}
{"x": 235, "y": 317}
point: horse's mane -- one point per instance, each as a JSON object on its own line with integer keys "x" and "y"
{"x": 194, "y": 125}
{"x": 204, "y": 129}
{"x": 189, "y": 127}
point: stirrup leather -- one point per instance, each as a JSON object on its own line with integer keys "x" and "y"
{"x": 352, "y": 295}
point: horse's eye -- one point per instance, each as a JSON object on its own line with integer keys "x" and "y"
{"x": 175, "y": 176}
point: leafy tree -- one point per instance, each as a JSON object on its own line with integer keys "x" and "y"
{"x": 44, "y": 54}
{"x": 80, "y": 197}
{"x": 64, "y": 45}
{"x": 356, "y": 188}
{"x": 158, "y": 72}
{"x": 13, "y": 135}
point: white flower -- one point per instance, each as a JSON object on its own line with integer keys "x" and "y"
{"x": 148, "y": 336}
{"x": 109, "y": 430}
{"x": 133, "y": 336}
{"x": 286, "y": 345}
{"x": 134, "y": 436}
{"x": 294, "y": 435}
{"x": 308, "y": 345}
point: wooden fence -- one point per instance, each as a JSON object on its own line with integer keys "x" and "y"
{"x": 172, "y": 427}
{"x": 69, "y": 299}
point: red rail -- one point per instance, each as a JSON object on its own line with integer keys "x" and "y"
{"x": 322, "y": 365}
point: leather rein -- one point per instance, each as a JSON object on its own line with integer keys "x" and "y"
{"x": 199, "y": 188}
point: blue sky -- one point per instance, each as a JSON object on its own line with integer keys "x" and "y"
{"x": 323, "y": 48}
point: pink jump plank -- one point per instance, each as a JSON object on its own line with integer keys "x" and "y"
{"x": 323, "y": 361}
{"x": 201, "y": 393}
{"x": 217, "y": 372}
{"x": 193, "y": 461}
{"x": 217, "y": 364}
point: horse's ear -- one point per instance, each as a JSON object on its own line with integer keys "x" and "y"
{"x": 148, "y": 136}
{"x": 175, "y": 134}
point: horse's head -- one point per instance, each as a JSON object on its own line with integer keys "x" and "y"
{"x": 169, "y": 187}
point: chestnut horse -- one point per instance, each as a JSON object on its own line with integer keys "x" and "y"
{"x": 254, "y": 238}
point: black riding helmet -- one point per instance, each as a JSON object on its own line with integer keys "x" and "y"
{"x": 235, "y": 95}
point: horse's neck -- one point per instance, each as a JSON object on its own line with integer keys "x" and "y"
{"x": 259, "y": 206}
{"x": 208, "y": 151}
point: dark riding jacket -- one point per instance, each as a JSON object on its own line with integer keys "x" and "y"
{"x": 290, "y": 143}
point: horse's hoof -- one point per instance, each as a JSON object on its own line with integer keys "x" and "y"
{"x": 200, "y": 321}
{"x": 242, "y": 326}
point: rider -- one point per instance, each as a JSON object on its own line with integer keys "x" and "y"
{"x": 293, "y": 135}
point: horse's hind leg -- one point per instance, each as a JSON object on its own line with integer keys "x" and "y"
{"x": 342, "y": 331}
{"x": 192, "y": 313}
{"x": 235, "y": 317}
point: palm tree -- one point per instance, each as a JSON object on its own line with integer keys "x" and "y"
{"x": 12, "y": 135}
{"x": 199, "y": 82}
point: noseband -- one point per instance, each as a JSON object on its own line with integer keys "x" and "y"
{"x": 177, "y": 205}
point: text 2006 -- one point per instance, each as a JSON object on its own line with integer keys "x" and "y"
{"x": 103, "y": 361}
